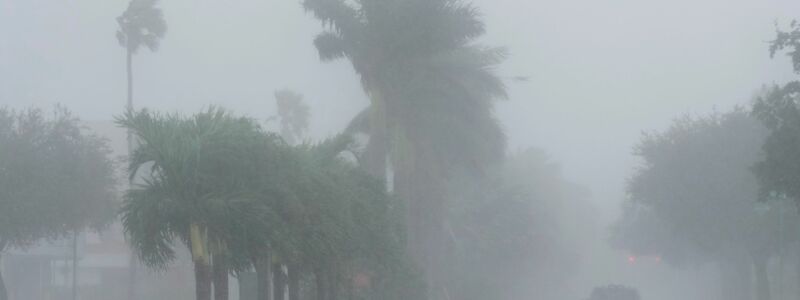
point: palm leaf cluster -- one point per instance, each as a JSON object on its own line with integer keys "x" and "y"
{"x": 195, "y": 170}
{"x": 142, "y": 24}
{"x": 431, "y": 89}
{"x": 237, "y": 195}
{"x": 426, "y": 77}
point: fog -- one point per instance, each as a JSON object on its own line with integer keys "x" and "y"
{"x": 595, "y": 76}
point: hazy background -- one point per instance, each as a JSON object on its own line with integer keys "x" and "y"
{"x": 600, "y": 72}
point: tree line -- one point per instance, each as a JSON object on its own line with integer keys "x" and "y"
{"x": 723, "y": 188}
{"x": 386, "y": 217}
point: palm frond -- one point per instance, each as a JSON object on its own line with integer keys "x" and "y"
{"x": 334, "y": 14}
{"x": 330, "y": 46}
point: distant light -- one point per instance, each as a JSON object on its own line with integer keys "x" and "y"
{"x": 632, "y": 259}
{"x": 658, "y": 259}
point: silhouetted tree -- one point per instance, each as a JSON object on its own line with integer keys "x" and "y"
{"x": 778, "y": 109}
{"x": 140, "y": 25}
{"x": 695, "y": 199}
{"x": 205, "y": 173}
{"x": 293, "y": 115}
{"x": 430, "y": 91}
{"x": 55, "y": 179}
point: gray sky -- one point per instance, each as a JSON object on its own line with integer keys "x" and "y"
{"x": 601, "y": 71}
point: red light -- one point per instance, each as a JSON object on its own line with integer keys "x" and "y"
{"x": 658, "y": 258}
{"x": 632, "y": 259}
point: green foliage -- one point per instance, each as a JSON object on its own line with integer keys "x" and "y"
{"x": 788, "y": 40}
{"x": 341, "y": 220}
{"x": 54, "y": 178}
{"x": 431, "y": 88}
{"x": 432, "y": 91}
{"x": 251, "y": 195}
{"x": 141, "y": 24}
{"x": 778, "y": 109}
{"x": 206, "y": 170}
{"x": 694, "y": 197}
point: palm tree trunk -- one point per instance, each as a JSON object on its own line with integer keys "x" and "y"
{"x": 333, "y": 284}
{"x": 278, "y": 282}
{"x": 263, "y": 271}
{"x": 319, "y": 277}
{"x": 3, "y": 291}
{"x": 220, "y": 277}
{"x": 202, "y": 280}
{"x": 75, "y": 265}
{"x": 133, "y": 262}
{"x": 294, "y": 283}
{"x": 418, "y": 183}
{"x": 762, "y": 278}
{"x": 797, "y": 275}
{"x": 377, "y": 149}
{"x": 129, "y": 68}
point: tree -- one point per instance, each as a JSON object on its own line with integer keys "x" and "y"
{"x": 788, "y": 40}
{"x": 293, "y": 114}
{"x": 55, "y": 179}
{"x": 778, "y": 110}
{"x": 341, "y": 226}
{"x": 431, "y": 92}
{"x": 140, "y": 25}
{"x": 694, "y": 199}
{"x": 509, "y": 231}
{"x": 205, "y": 173}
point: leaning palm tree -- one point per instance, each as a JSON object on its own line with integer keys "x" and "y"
{"x": 430, "y": 89}
{"x": 203, "y": 175}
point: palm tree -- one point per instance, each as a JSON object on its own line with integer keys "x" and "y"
{"x": 342, "y": 223}
{"x": 430, "y": 89}
{"x": 204, "y": 173}
{"x": 293, "y": 115}
{"x": 142, "y": 24}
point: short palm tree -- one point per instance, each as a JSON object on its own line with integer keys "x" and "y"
{"x": 340, "y": 222}
{"x": 203, "y": 173}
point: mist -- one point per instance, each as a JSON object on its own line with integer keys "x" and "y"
{"x": 588, "y": 86}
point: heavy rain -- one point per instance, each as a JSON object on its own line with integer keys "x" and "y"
{"x": 399, "y": 150}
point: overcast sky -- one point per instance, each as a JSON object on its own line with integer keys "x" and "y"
{"x": 600, "y": 71}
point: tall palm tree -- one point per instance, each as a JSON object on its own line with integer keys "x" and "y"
{"x": 203, "y": 175}
{"x": 430, "y": 89}
{"x": 141, "y": 24}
